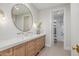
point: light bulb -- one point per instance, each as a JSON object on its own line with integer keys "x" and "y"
{"x": 34, "y": 25}
{"x": 2, "y": 20}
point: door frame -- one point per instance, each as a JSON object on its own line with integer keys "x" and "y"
{"x": 51, "y": 12}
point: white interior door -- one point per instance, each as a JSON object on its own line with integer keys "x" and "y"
{"x": 74, "y": 27}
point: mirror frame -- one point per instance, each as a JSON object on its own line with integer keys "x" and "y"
{"x": 13, "y": 17}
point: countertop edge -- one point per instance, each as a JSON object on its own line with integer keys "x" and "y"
{"x": 20, "y": 42}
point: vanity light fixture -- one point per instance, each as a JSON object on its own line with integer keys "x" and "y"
{"x": 34, "y": 25}
{"x": 37, "y": 26}
{"x": 2, "y": 20}
{"x": 2, "y": 17}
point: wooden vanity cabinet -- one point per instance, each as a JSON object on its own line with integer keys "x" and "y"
{"x": 42, "y": 42}
{"x": 39, "y": 43}
{"x": 19, "y": 50}
{"x": 30, "y": 48}
{"x": 8, "y": 52}
{"x": 26, "y": 49}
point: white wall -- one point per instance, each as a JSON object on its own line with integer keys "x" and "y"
{"x": 46, "y": 17}
{"x": 74, "y": 26}
{"x": 8, "y": 30}
{"x": 67, "y": 28}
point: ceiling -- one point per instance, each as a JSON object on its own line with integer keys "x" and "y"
{"x": 41, "y": 6}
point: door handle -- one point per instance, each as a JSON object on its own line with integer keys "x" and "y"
{"x": 76, "y": 48}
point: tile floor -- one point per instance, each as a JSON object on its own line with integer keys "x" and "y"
{"x": 56, "y": 50}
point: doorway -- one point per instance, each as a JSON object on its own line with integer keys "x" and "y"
{"x": 57, "y": 26}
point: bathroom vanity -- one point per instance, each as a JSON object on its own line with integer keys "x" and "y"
{"x": 25, "y": 45}
{"x": 30, "y": 46}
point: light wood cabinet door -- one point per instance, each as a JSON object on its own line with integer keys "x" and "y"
{"x": 26, "y": 49}
{"x": 7, "y": 52}
{"x": 37, "y": 44}
{"x": 31, "y": 48}
{"x": 40, "y": 43}
{"x": 19, "y": 50}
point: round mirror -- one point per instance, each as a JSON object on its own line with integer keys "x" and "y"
{"x": 22, "y": 17}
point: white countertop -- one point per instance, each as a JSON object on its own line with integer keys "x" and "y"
{"x": 5, "y": 44}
